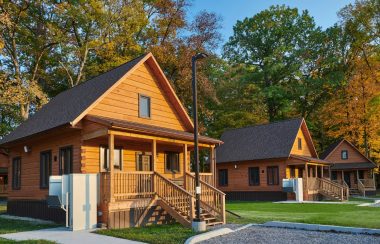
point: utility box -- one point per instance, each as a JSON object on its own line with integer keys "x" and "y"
{"x": 293, "y": 185}
{"x": 82, "y": 191}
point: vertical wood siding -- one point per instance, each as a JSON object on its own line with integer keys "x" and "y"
{"x": 353, "y": 155}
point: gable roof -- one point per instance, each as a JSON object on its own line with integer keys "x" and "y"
{"x": 330, "y": 149}
{"x": 70, "y": 106}
{"x": 274, "y": 140}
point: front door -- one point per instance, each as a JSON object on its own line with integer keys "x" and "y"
{"x": 66, "y": 160}
{"x": 347, "y": 178}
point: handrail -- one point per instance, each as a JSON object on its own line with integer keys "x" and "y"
{"x": 347, "y": 188}
{"x": 211, "y": 198}
{"x": 368, "y": 183}
{"x": 136, "y": 184}
{"x": 175, "y": 196}
{"x": 332, "y": 187}
{"x": 205, "y": 176}
{"x": 361, "y": 187}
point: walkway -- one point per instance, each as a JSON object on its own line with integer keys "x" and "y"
{"x": 63, "y": 236}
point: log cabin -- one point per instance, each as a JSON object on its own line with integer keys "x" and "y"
{"x": 351, "y": 168}
{"x": 3, "y": 173}
{"x": 253, "y": 161}
{"x": 129, "y": 116}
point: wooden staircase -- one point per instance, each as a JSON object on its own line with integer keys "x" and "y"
{"x": 332, "y": 190}
{"x": 180, "y": 203}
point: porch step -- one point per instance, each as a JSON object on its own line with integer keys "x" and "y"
{"x": 354, "y": 192}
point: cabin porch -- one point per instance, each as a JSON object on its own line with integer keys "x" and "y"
{"x": 315, "y": 174}
{"x": 360, "y": 181}
{"x": 151, "y": 181}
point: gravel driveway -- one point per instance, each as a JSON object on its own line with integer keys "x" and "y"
{"x": 258, "y": 234}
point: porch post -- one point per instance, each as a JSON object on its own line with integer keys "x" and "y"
{"x": 322, "y": 171}
{"x": 212, "y": 164}
{"x": 184, "y": 164}
{"x": 306, "y": 184}
{"x": 357, "y": 175}
{"x": 111, "y": 149}
{"x": 316, "y": 171}
{"x": 154, "y": 154}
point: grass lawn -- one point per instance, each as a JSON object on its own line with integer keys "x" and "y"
{"x": 158, "y": 234}
{"x": 330, "y": 214}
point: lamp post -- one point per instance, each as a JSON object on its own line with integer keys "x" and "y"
{"x": 197, "y": 224}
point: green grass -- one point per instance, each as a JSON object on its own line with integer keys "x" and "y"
{"x": 3, "y": 208}
{"x": 2, "y": 240}
{"x": 360, "y": 200}
{"x": 329, "y": 214}
{"x": 157, "y": 234}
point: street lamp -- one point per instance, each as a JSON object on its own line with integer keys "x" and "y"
{"x": 197, "y": 224}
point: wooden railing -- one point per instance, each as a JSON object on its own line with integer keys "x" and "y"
{"x": 212, "y": 199}
{"x": 206, "y": 177}
{"x": 332, "y": 188}
{"x": 368, "y": 183}
{"x": 347, "y": 188}
{"x": 137, "y": 184}
{"x": 175, "y": 196}
{"x": 361, "y": 188}
{"x": 3, "y": 189}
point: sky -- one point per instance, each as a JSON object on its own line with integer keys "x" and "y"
{"x": 323, "y": 11}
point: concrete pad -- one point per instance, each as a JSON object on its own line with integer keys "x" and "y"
{"x": 64, "y": 236}
{"x": 316, "y": 227}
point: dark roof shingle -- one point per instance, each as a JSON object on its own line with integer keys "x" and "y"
{"x": 68, "y": 105}
{"x": 274, "y": 140}
{"x": 329, "y": 149}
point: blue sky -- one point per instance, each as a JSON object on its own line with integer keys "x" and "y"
{"x": 323, "y": 11}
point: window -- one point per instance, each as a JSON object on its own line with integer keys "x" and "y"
{"x": 144, "y": 106}
{"x": 143, "y": 161}
{"x": 172, "y": 161}
{"x": 117, "y": 158}
{"x": 223, "y": 177}
{"x": 45, "y": 168}
{"x": 334, "y": 175}
{"x": 344, "y": 154}
{"x": 254, "y": 176}
{"x": 66, "y": 160}
{"x": 299, "y": 144}
{"x": 16, "y": 173}
{"x": 272, "y": 175}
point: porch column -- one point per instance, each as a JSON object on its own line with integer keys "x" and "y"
{"x": 184, "y": 164}
{"x": 316, "y": 171}
{"x": 154, "y": 154}
{"x": 111, "y": 149}
{"x": 357, "y": 175}
{"x": 212, "y": 164}
{"x": 322, "y": 171}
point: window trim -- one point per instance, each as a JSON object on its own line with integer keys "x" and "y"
{"x": 14, "y": 185}
{"x": 171, "y": 164}
{"x": 224, "y": 170}
{"x": 149, "y": 104}
{"x": 61, "y": 169}
{"x": 105, "y": 159}
{"x": 278, "y": 176}
{"x": 142, "y": 154}
{"x": 341, "y": 154}
{"x": 49, "y": 168}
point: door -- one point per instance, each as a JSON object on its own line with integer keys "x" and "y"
{"x": 347, "y": 178}
{"x": 66, "y": 160}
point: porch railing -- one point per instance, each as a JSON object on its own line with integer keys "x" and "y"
{"x": 368, "y": 183}
{"x": 206, "y": 177}
{"x": 211, "y": 198}
{"x": 332, "y": 188}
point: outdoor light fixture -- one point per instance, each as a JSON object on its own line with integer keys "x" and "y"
{"x": 197, "y": 224}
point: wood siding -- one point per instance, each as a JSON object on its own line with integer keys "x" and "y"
{"x": 3, "y": 161}
{"x": 305, "y": 151}
{"x": 238, "y": 178}
{"x": 353, "y": 155}
{"x": 30, "y": 162}
{"x": 123, "y": 102}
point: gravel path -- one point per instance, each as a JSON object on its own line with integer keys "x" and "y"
{"x": 258, "y": 234}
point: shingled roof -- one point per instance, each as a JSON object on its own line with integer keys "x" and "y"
{"x": 274, "y": 140}
{"x": 329, "y": 149}
{"x": 68, "y": 105}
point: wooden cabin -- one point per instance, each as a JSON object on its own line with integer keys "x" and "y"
{"x": 253, "y": 161}
{"x": 351, "y": 168}
{"x": 129, "y": 116}
{"x": 3, "y": 173}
